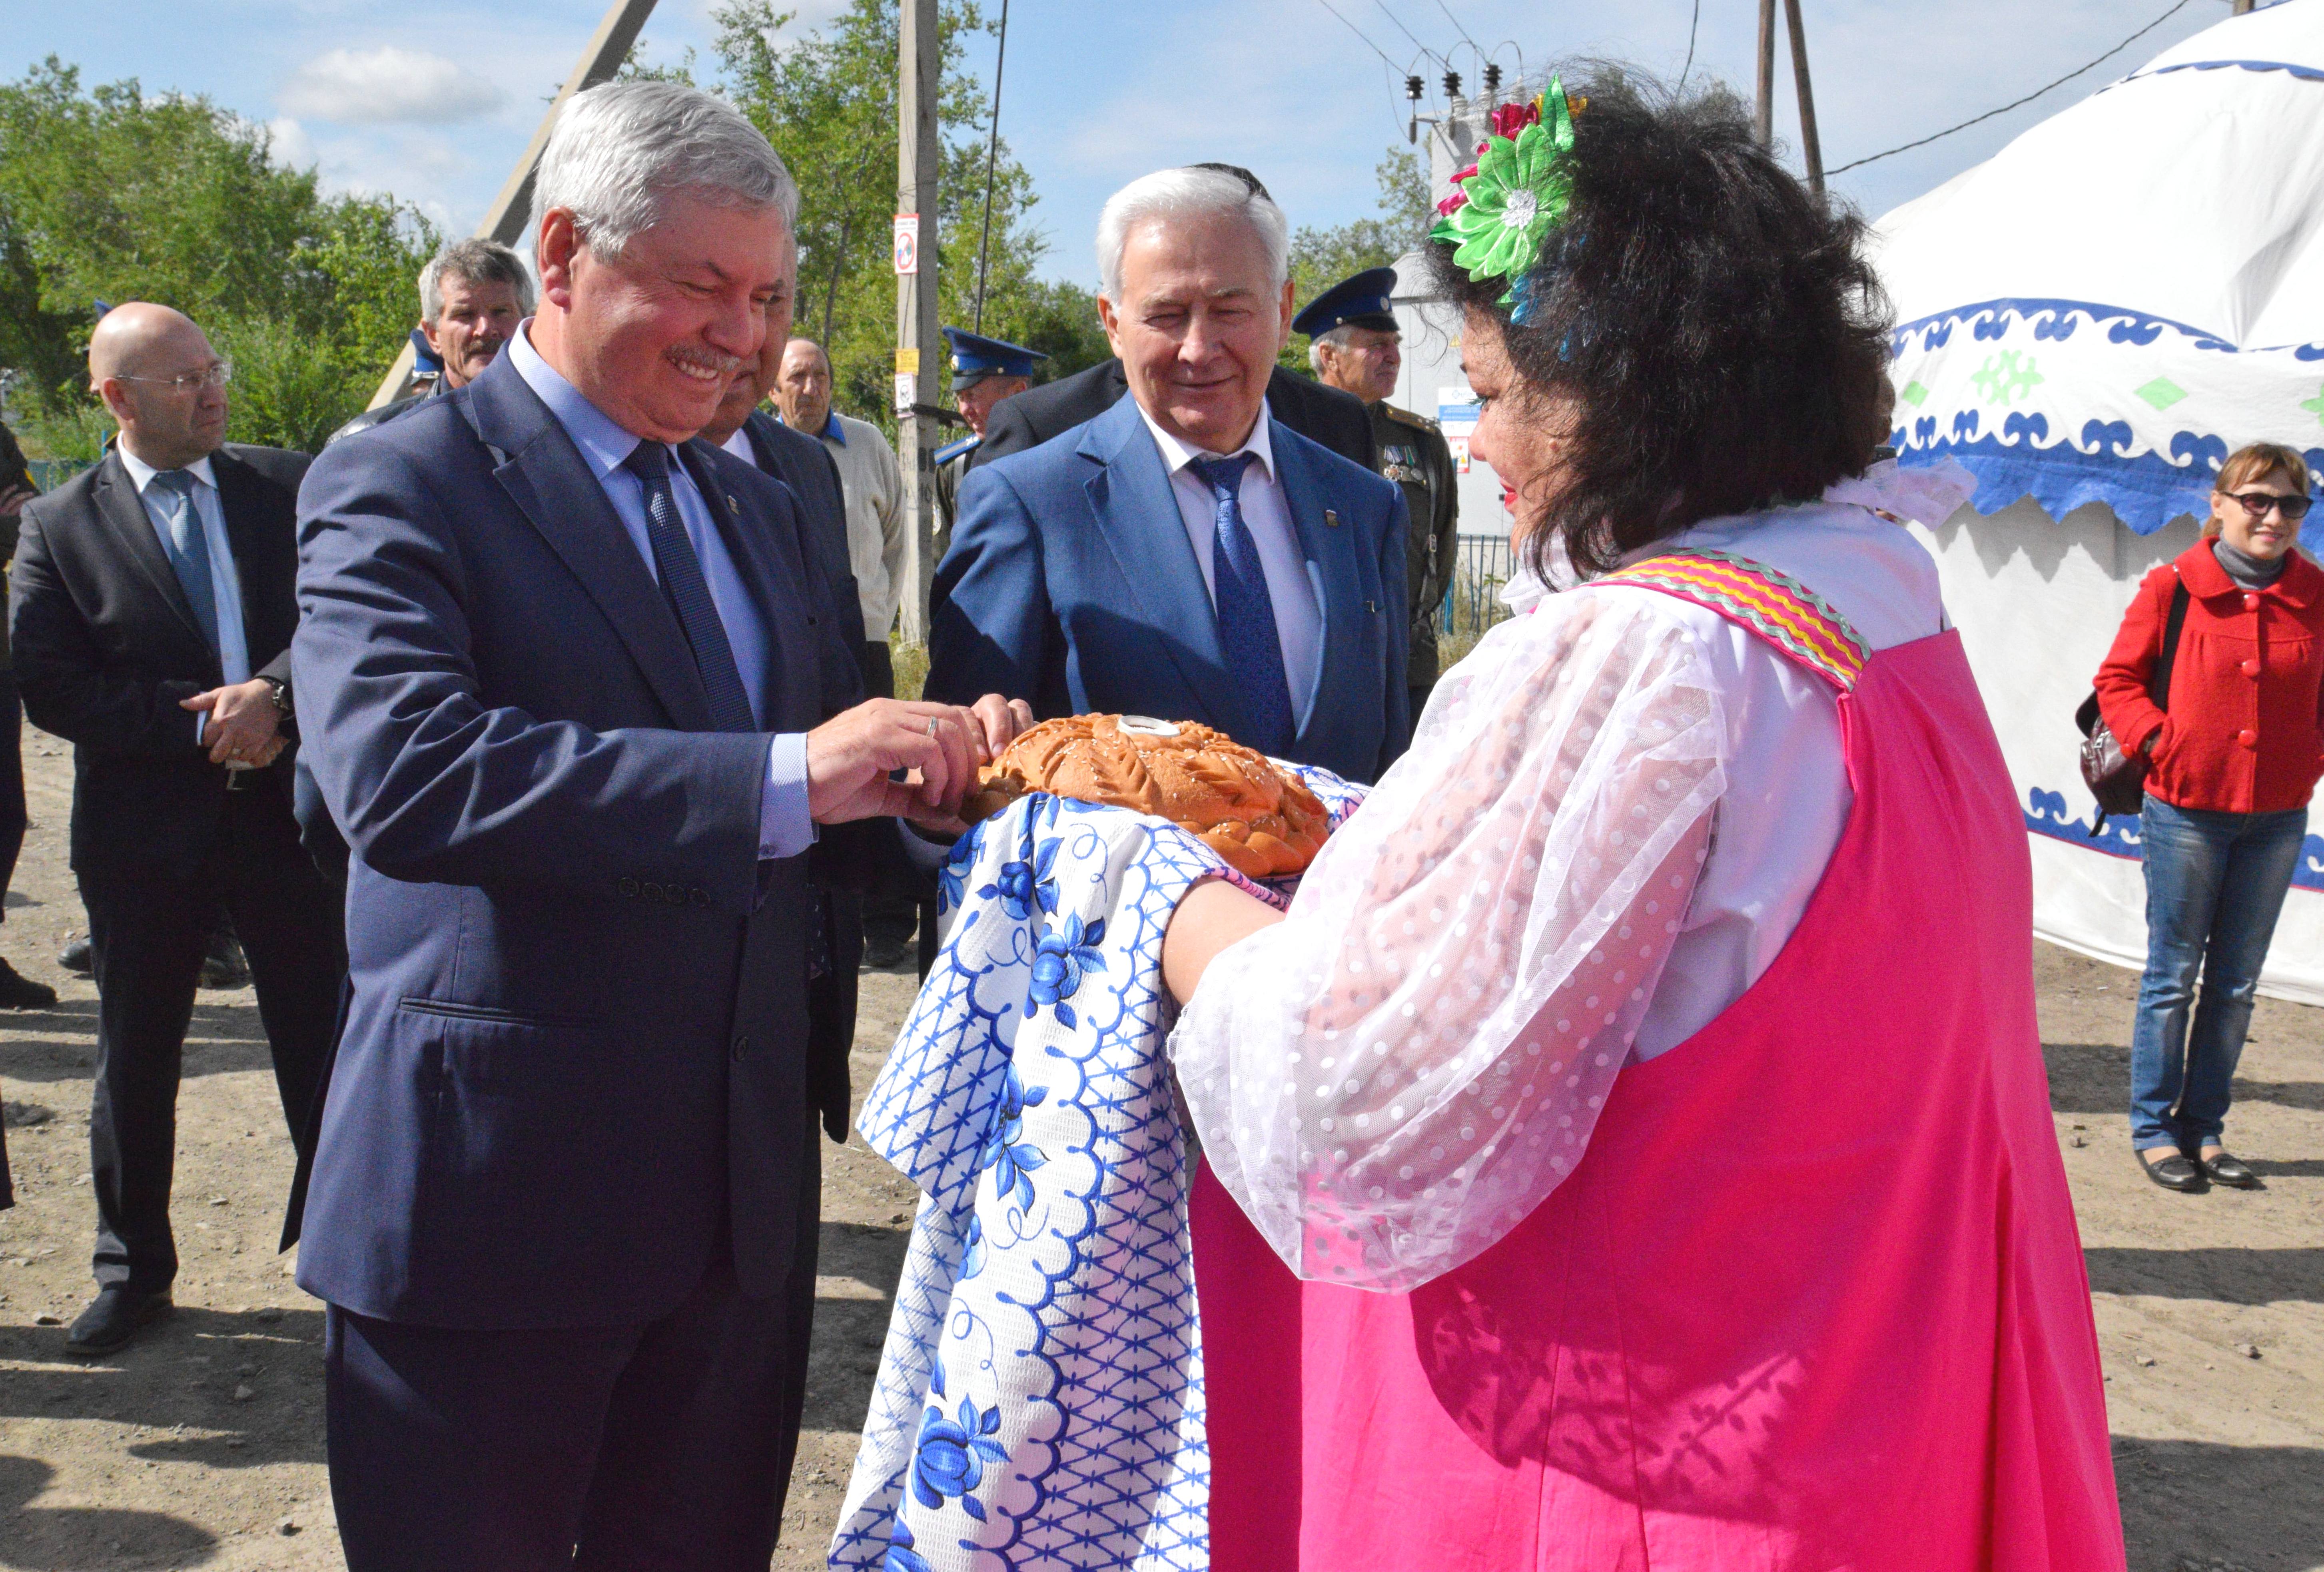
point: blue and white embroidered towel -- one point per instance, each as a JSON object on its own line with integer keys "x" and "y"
{"x": 1039, "y": 1400}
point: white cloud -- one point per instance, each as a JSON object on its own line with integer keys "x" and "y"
{"x": 289, "y": 144}
{"x": 369, "y": 86}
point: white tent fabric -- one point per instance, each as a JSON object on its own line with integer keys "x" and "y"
{"x": 2091, "y": 320}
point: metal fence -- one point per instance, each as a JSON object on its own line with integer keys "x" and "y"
{"x": 1472, "y": 603}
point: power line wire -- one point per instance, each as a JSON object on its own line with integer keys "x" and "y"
{"x": 992, "y": 161}
{"x": 1460, "y": 30}
{"x": 1359, "y": 32}
{"x": 1691, "y": 29}
{"x": 1401, "y": 28}
{"x": 2016, "y": 104}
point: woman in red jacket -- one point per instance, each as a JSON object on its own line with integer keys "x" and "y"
{"x": 2233, "y": 760}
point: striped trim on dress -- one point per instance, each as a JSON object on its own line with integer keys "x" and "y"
{"x": 1798, "y": 623}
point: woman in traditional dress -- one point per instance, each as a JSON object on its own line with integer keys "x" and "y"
{"x": 1645, "y": 1081}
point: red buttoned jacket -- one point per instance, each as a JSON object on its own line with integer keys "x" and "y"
{"x": 2244, "y": 734}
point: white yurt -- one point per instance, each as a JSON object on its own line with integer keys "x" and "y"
{"x": 2091, "y": 321}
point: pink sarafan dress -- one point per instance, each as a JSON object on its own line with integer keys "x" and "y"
{"x": 1810, "y": 1297}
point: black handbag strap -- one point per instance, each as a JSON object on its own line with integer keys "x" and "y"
{"x": 2158, "y": 681}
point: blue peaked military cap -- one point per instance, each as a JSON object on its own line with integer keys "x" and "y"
{"x": 1362, "y": 301}
{"x": 975, "y": 357}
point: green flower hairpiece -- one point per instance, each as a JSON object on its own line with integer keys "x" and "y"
{"x": 1506, "y": 202}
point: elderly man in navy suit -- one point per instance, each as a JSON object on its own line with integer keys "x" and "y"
{"x": 562, "y": 673}
{"x": 1185, "y": 555}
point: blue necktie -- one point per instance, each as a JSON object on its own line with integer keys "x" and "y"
{"x": 689, "y": 593}
{"x": 190, "y": 546}
{"x": 1246, "y": 612}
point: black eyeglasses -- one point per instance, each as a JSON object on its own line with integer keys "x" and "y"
{"x": 2257, "y": 504}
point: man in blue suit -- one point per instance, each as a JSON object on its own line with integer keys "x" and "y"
{"x": 1185, "y": 555}
{"x": 560, "y": 672}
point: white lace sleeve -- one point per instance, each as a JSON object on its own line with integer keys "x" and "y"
{"x": 1393, "y": 1076}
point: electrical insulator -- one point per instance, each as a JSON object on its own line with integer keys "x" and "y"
{"x": 1452, "y": 84}
{"x": 1492, "y": 80}
{"x": 1412, "y": 88}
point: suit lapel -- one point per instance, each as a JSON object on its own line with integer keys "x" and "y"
{"x": 1333, "y": 569}
{"x": 125, "y": 515}
{"x": 1138, "y": 515}
{"x": 546, "y": 476}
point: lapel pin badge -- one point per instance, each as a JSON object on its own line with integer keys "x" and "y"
{"x": 1331, "y": 518}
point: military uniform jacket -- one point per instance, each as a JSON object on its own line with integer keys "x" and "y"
{"x": 1414, "y": 454}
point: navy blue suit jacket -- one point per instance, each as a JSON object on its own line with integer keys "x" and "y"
{"x": 575, "y": 1052}
{"x": 1071, "y": 584}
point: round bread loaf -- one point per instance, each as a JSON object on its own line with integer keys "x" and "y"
{"x": 1263, "y": 820}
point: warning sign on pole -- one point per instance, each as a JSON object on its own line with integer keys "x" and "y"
{"x": 908, "y": 243}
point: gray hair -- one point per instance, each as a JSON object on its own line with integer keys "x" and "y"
{"x": 474, "y": 262}
{"x": 617, "y": 149}
{"x": 1194, "y": 191}
{"x": 1331, "y": 338}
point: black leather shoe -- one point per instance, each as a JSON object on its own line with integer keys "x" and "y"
{"x": 2176, "y": 1172}
{"x": 115, "y": 1319}
{"x": 78, "y": 958}
{"x": 21, "y": 993}
{"x": 223, "y": 966}
{"x": 2231, "y": 1171}
{"x": 881, "y": 953}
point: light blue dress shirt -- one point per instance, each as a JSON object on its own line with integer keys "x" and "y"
{"x": 225, "y": 582}
{"x": 784, "y": 830}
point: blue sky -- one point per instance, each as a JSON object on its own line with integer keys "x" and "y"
{"x": 434, "y": 99}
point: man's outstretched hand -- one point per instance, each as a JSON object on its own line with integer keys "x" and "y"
{"x": 851, "y": 758}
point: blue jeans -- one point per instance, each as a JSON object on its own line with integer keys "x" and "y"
{"x": 2215, "y": 885}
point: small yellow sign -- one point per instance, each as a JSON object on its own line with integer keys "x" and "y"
{"x": 907, "y": 362}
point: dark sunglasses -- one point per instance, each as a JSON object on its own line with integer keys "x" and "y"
{"x": 2294, "y": 508}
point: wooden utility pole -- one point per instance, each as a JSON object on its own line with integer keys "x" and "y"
{"x": 1765, "y": 120}
{"x": 919, "y": 348}
{"x": 1810, "y": 146}
{"x": 504, "y": 221}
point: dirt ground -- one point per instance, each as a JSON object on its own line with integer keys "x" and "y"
{"x": 202, "y": 1445}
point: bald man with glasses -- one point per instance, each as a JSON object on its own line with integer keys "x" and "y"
{"x": 150, "y": 619}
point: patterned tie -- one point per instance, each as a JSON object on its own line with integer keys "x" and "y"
{"x": 190, "y": 546}
{"x": 1246, "y": 612}
{"x": 689, "y": 593}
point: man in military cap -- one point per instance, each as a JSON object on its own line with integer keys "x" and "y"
{"x": 985, "y": 370}
{"x": 1354, "y": 347}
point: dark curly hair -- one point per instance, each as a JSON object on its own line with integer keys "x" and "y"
{"x": 1716, "y": 326}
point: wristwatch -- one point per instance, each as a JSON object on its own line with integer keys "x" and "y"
{"x": 280, "y": 692}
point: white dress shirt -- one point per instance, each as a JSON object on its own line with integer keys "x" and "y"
{"x": 785, "y": 829}
{"x": 1266, "y": 512}
{"x": 225, "y": 582}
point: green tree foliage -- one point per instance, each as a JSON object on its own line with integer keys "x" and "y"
{"x": 108, "y": 194}
{"x": 826, "y": 99}
{"x": 1321, "y": 258}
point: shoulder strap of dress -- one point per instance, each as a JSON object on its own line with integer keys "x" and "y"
{"x": 1792, "y": 619}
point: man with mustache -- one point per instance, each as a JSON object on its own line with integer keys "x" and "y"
{"x": 471, "y": 295}
{"x": 563, "y": 676}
